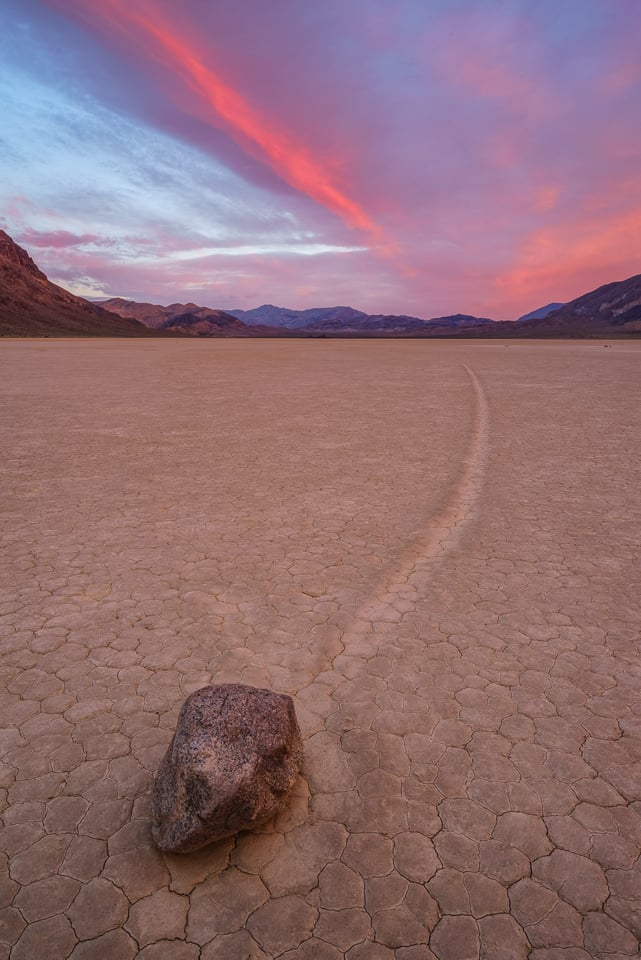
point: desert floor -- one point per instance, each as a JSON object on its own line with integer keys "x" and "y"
{"x": 433, "y": 546}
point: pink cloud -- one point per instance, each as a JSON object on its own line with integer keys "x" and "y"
{"x": 60, "y": 239}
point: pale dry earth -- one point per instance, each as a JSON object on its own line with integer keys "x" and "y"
{"x": 434, "y": 547}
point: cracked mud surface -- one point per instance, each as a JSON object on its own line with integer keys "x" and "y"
{"x": 433, "y": 547}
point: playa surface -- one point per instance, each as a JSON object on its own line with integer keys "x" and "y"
{"x": 432, "y": 546}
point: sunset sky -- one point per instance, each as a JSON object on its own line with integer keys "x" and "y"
{"x": 401, "y": 156}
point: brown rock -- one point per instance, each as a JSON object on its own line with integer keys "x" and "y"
{"x": 234, "y": 756}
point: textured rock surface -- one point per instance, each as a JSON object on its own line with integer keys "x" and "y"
{"x": 235, "y": 754}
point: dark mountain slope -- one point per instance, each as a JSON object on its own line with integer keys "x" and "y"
{"x": 31, "y": 306}
{"x": 611, "y": 310}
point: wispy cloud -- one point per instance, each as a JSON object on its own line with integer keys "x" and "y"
{"x": 59, "y": 239}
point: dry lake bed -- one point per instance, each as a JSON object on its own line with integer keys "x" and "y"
{"x": 432, "y": 546}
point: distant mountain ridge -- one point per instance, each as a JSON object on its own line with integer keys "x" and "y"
{"x": 343, "y": 320}
{"x": 611, "y": 310}
{"x": 297, "y": 319}
{"x": 32, "y": 306}
{"x": 269, "y": 320}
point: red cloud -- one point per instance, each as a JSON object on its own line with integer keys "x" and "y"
{"x": 219, "y": 104}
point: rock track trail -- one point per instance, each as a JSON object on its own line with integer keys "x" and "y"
{"x": 435, "y": 550}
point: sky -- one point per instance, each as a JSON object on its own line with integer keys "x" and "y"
{"x": 421, "y": 157}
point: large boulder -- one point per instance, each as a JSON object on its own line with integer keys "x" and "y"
{"x": 235, "y": 754}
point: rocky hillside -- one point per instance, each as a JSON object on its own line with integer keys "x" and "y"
{"x": 612, "y": 309}
{"x": 31, "y": 306}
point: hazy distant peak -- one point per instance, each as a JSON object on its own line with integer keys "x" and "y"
{"x": 541, "y": 312}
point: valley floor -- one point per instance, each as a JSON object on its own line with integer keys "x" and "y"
{"x": 432, "y": 546}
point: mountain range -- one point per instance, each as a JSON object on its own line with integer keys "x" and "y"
{"x": 271, "y": 321}
{"x": 32, "y": 306}
{"x": 612, "y": 310}
{"x": 347, "y": 320}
